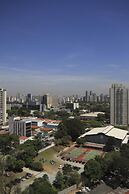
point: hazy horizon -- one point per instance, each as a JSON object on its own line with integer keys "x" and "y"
{"x": 63, "y": 47}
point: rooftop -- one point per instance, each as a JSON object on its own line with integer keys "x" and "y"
{"x": 23, "y": 137}
{"x": 45, "y": 129}
{"x": 91, "y": 114}
{"x": 109, "y": 131}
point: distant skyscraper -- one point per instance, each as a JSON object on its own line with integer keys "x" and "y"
{"x": 2, "y": 106}
{"x": 101, "y": 98}
{"x": 119, "y": 105}
{"x": 47, "y": 100}
{"x": 86, "y": 96}
{"x": 29, "y": 98}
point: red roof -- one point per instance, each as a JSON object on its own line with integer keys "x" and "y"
{"x": 45, "y": 129}
{"x": 35, "y": 127}
{"x": 23, "y": 137}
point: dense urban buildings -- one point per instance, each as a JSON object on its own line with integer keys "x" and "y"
{"x": 119, "y": 105}
{"x": 2, "y": 107}
{"x": 47, "y": 102}
{"x": 91, "y": 96}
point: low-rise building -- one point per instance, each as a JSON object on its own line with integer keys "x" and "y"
{"x": 23, "y": 139}
{"x": 100, "y": 135}
{"x": 72, "y": 105}
{"x": 90, "y": 116}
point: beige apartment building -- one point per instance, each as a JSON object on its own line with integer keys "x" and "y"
{"x": 119, "y": 105}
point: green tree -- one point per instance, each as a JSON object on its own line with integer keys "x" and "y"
{"x": 74, "y": 128}
{"x": 124, "y": 150}
{"x": 40, "y": 186}
{"x": 19, "y": 164}
{"x": 50, "y": 114}
{"x": 19, "y": 112}
{"x": 70, "y": 127}
{"x": 61, "y": 132}
{"x": 59, "y": 181}
{"x": 74, "y": 178}
{"x": 37, "y": 114}
{"x": 81, "y": 141}
{"x": 8, "y": 143}
{"x": 14, "y": 165}
{"x": 45, "y": 177}
{"x": 101, "y": 117}
{"x": 36, "y": 166}
{"x": 67, "y": 169}
{"x": 62, "y": 115}
{"x": 93, "y": 171}
{"x": 10, "y": 163}
{"x": 5, "y": 182}
{"x": 92, "y": 123}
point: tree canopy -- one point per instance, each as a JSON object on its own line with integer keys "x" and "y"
{"x": 40, "y": 186}
{"x": 70, "y": 127}
{"x": 114, "y": 165}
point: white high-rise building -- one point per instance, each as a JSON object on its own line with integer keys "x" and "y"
{"x": 2, "y": 106}
{"x": 119, "y": 105}
{"x": 21, "y": 127}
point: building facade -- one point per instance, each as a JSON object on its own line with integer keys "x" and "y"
{"x": 2, "y": 107}
{"x": 119, "y": 105}
{"x": 100, "y": 135}
{"x": 47, "y": 101}
{"x": 21, "y": 127}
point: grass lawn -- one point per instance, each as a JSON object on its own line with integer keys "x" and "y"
{"x": 47, "y": 156}
{"x": 20, "y": 174}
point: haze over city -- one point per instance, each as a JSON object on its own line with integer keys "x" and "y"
{"x": 63, "y": 47}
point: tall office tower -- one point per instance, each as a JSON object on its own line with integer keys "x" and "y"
{"x": 94, "y": 97}
{"x": 101, "y": 98}
{"x": 87, "y": 96}
{"x": 47, "y": 100}
{"x": 29, "y": 98}
{"x": 119, "y": 105}
{"x": 91, "y": 92}
{"x": 55, "y": 101}
{"x": 2, "y": 107}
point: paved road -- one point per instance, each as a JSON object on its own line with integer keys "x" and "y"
{"x": 39, "y": 174}
{"x": 36, "y": 174}
{"x": 76, "y": 164}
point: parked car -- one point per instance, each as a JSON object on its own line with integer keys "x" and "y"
{"x": 28, "y": 174}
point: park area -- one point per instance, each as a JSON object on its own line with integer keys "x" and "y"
{"x": 49, "y": 159}
{"x": 81, "y": 154}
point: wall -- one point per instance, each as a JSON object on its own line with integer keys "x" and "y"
{"x": 69, "y": 189}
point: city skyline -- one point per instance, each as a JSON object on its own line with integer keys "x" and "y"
{"x": 63, "y": 47}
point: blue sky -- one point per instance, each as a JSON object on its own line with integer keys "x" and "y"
{"x": 63, "y": 46}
